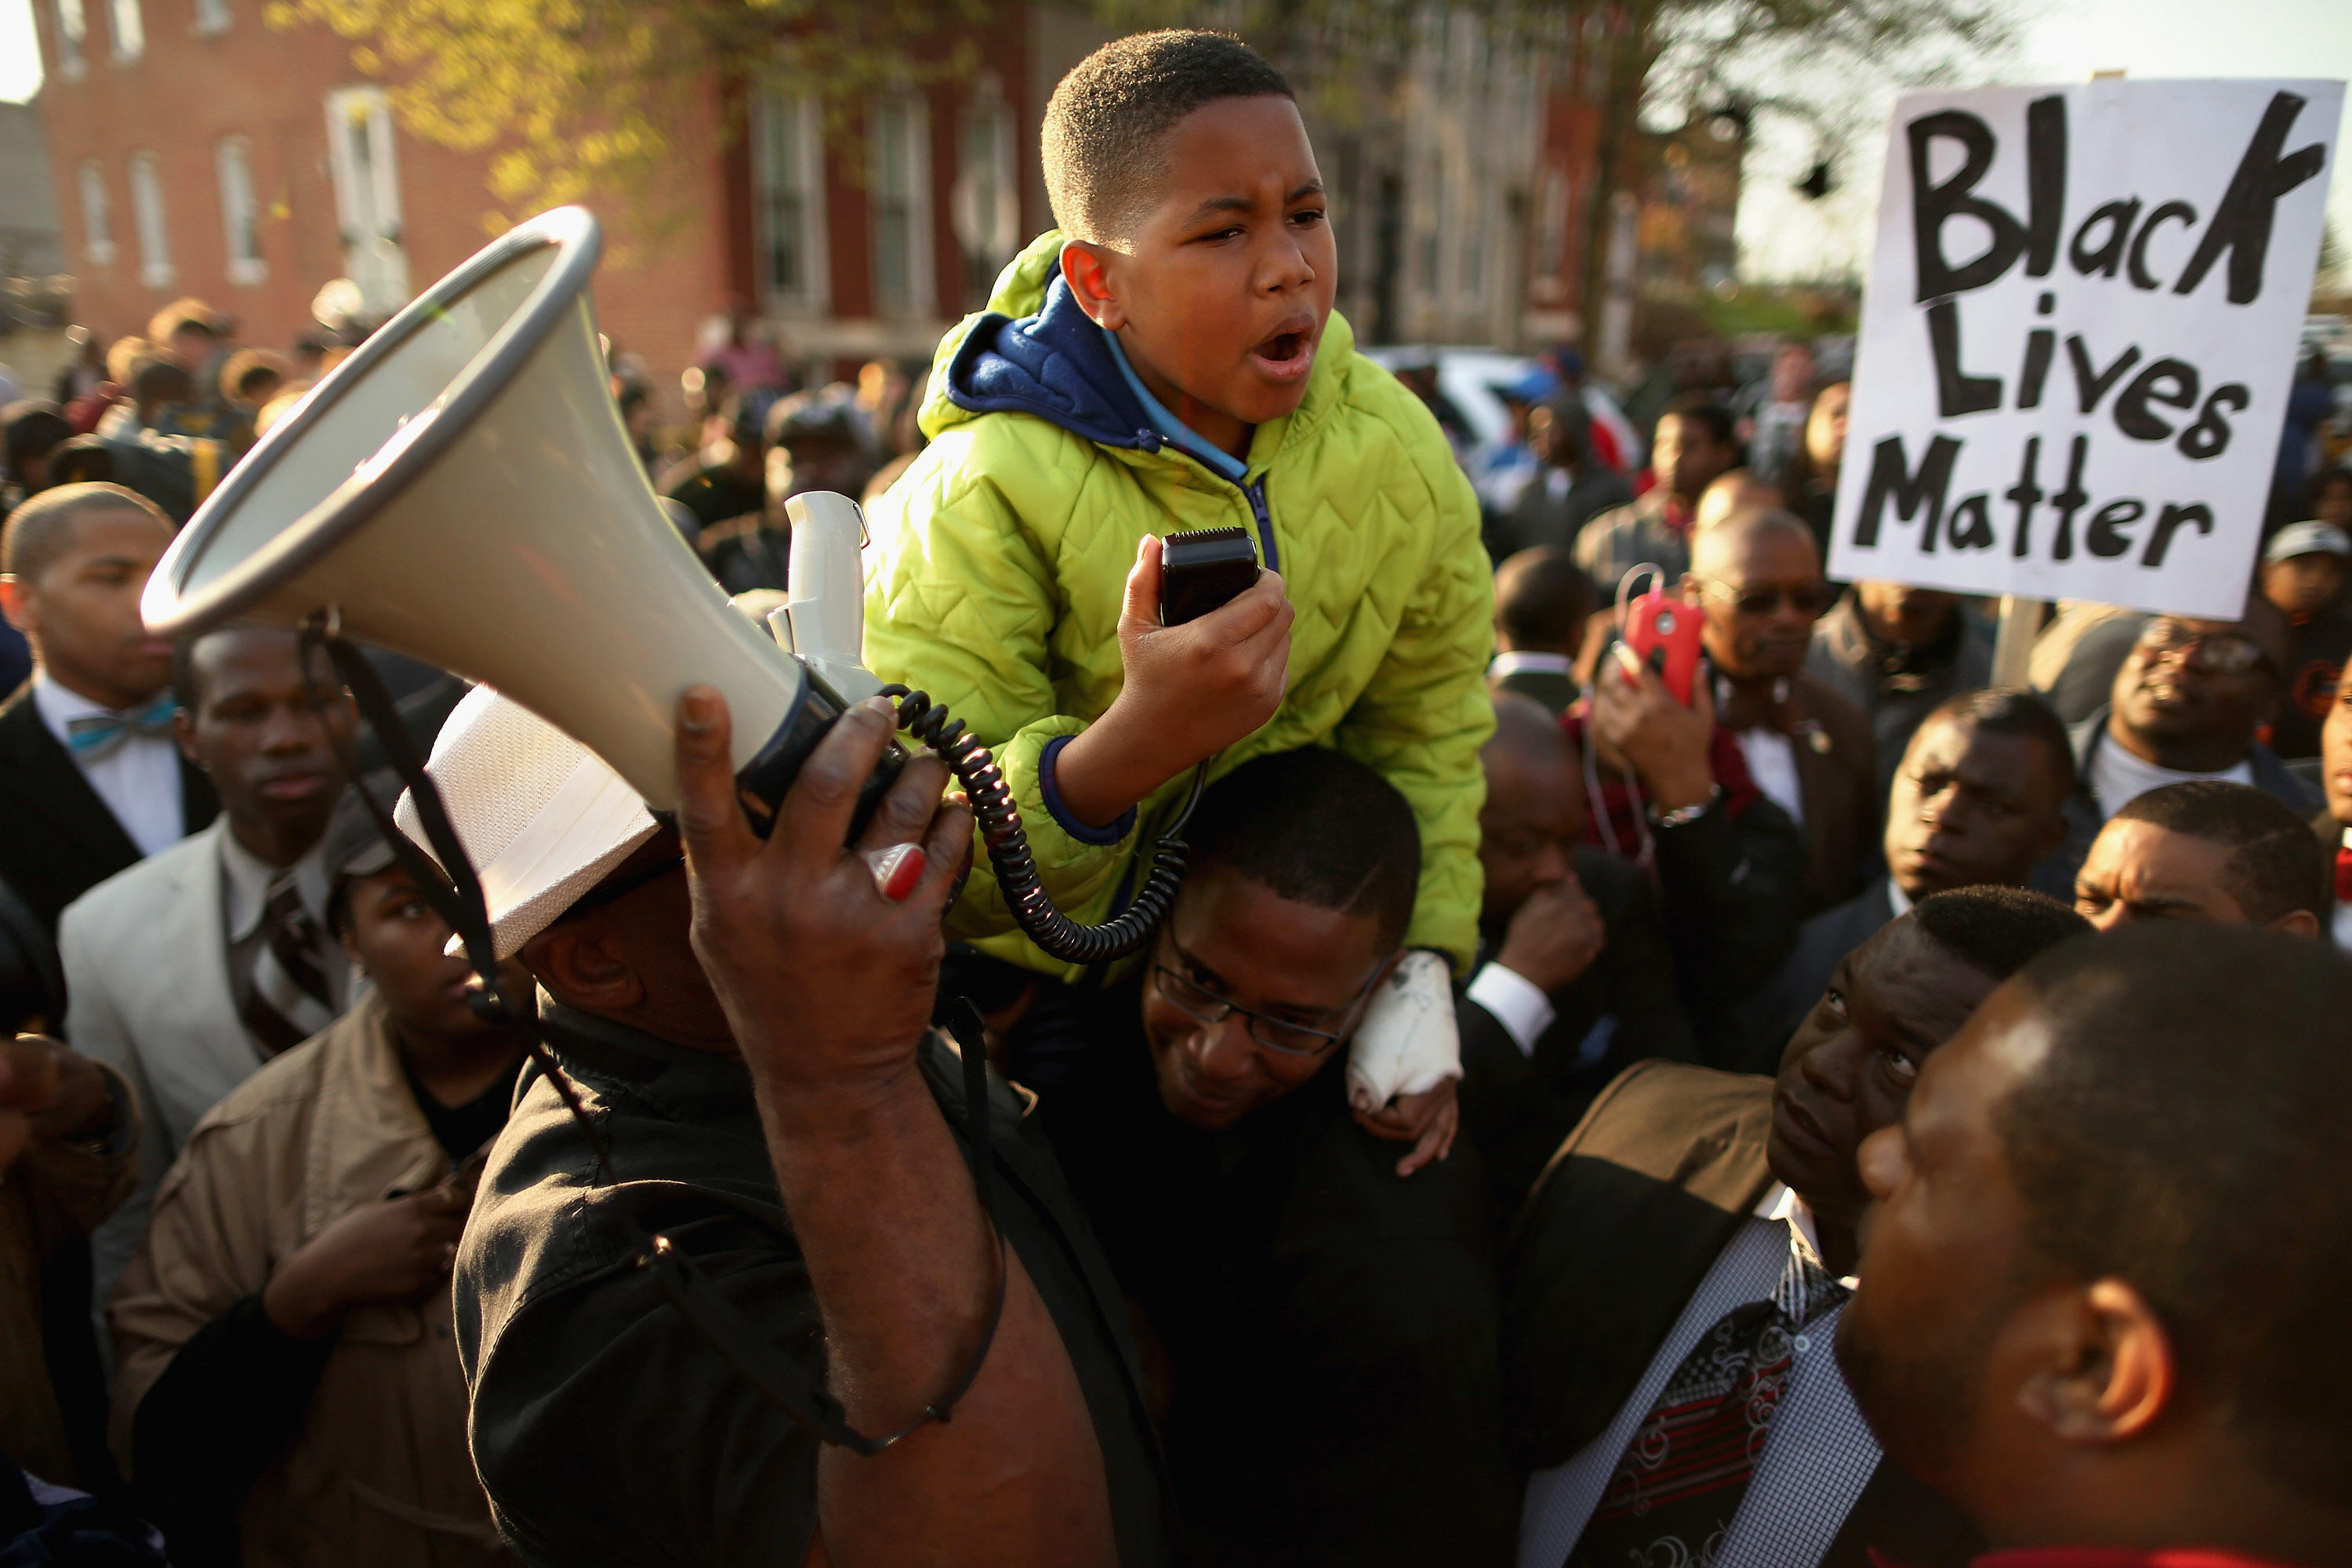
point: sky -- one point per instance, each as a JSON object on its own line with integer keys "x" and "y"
{"x": 1782, "y": 234}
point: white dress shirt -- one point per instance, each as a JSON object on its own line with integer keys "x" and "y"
{"x": 1818, "y": 1453}
{"x": 245, "y": 896}
{"x": 1533, "y": 660}
{"x": 1772, "y": 764}
{"x": 139, "y": 780}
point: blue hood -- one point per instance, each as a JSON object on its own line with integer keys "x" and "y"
{"x": 1056, "y": 364}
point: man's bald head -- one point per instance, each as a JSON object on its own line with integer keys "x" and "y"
{"x": 1527, "y": 733}
{"x": 1734, "y": 491}
{"x": 1716, "y": 551}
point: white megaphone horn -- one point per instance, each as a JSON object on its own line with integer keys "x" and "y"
{"x": 461, "y": 489}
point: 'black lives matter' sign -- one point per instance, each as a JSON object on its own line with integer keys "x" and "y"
{"x": 2078, "y": 337}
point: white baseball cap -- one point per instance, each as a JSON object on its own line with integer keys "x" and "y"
{"x": 2306, "y": 539}
{"x": 542, "y": 818}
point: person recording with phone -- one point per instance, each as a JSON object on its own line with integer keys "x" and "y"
{"x": 1666, "y": 786}
{"x": 743, "y": 1026}
{"x": 285, "y": 1390}
{"x": 1758, "y": 574}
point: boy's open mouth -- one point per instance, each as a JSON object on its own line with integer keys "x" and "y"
{"x": 1287, "y": 354}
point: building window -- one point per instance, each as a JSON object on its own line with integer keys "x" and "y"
{"x": 147, "y": 213}
{"x": 73, "y": 32}
{"x": 1474, "y": 239}
{"x": 240, "y": 222}
{"x": 986, "y": 203}
{"x": 788, "y": 180}
{"x": 97, "y": 225}
{"x": 129, "y": 29}
{"x": 363, "y": 161}
{"x": 898, "y": 191}
{"x": 212, "y": 17}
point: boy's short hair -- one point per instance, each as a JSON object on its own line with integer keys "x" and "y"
{"x": 1107, "y": 115}
{"x": 1319, "y": 828}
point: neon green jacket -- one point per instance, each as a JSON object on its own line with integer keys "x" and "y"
{"x": 1000, "y": 560}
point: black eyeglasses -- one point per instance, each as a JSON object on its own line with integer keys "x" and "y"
{"x": 1809, "y": 600}
{"x": 2210, "y": 653}
{"x": 1280, "y": 1036}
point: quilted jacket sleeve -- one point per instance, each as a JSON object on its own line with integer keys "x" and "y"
{"x": 1426, "y": 712}
{"x": 962, "y": 605}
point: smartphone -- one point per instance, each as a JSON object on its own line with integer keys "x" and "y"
{"x": 1663, "y": 634}
{"x": 1201, "y": 570}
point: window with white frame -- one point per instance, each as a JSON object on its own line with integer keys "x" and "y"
{"x": 788, "y": 182}
{"x": 147, "y": 213}
{"x": 362, "y": 157}
{"x": 129, "y": 29}
{"x": 897, "y": 197}
{"x": 73, "y": 35}
{"x": 986, "y": 203}
{"x": 240, "y": 216}
{"x": 97, "y": 223}
{"x": 212, "y": 17}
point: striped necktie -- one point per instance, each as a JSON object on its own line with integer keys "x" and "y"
{"x": 290, "y": 998}
{"x": 1675, "y": 1492}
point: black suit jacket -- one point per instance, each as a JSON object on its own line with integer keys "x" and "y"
{"x": 1624, "y": 1226}
{"x": 1821, "y": 945}
{"x": 58, "y": 839}
{"x": 1519, "y": 1106}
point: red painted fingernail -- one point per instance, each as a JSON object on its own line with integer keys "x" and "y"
{"x": 897, "y": 870}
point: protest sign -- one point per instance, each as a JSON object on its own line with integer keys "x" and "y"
{"x": 2079, "y": 332}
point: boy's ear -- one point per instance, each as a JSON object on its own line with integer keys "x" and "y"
{"x": 1086, "y": 269}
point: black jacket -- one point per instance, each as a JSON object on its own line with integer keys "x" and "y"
{"x": 1325, "y": 1327}
{"x": 1822, "y": 946}
{"x": 1518, "y": 1106}
{"x": 58, "y": 839}
{"x": 1620, "y": 1231}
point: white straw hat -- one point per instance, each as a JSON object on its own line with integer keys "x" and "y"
{"x": 542, "y": 818}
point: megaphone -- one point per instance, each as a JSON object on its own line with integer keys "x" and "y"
{"x": 461, "y": 489}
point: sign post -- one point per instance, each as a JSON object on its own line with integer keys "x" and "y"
{"x": 2077, "y": 340}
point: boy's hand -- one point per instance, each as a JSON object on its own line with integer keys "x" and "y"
{"x": 1187, "y": 693}
{"x": 1427, "y": 1120}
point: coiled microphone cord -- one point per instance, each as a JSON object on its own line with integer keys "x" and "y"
{"x": 1008, "y": 845}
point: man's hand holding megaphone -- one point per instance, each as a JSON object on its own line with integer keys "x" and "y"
{"x": 828, "y": 983}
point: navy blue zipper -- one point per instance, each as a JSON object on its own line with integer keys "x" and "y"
{"x": 1152, "y": 441}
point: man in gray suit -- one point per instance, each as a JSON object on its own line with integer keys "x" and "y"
{"x": 1980, "y": 799}
{"x": 188, "y": 971}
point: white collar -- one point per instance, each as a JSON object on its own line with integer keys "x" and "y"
{"x": 246, "y": 877}
{"x": 58, "y": 706}
{"x": 1780, "y": 1205}
{"x": 1897, "y": 898}
{"x": 1530, "y": 662}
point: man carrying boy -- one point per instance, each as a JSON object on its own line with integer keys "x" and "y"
{"x": 1167, "y": 360}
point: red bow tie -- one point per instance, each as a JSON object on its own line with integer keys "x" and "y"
{"x": 2344, "y": 875}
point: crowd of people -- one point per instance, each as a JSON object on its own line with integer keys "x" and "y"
{"x": 1884, "y": 1116}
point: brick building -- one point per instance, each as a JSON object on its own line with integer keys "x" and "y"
{"x": 197, "y": 150}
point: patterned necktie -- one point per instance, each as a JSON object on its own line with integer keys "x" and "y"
{"x": 91, "y": 736}
{"x": 1673, "y": 1497}
{"x": 288, "y": 999}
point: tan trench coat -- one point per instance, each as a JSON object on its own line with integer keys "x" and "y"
{"x": 380, "y": 1475}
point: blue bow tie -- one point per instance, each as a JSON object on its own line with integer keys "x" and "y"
{"x": 95, "y": 735}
